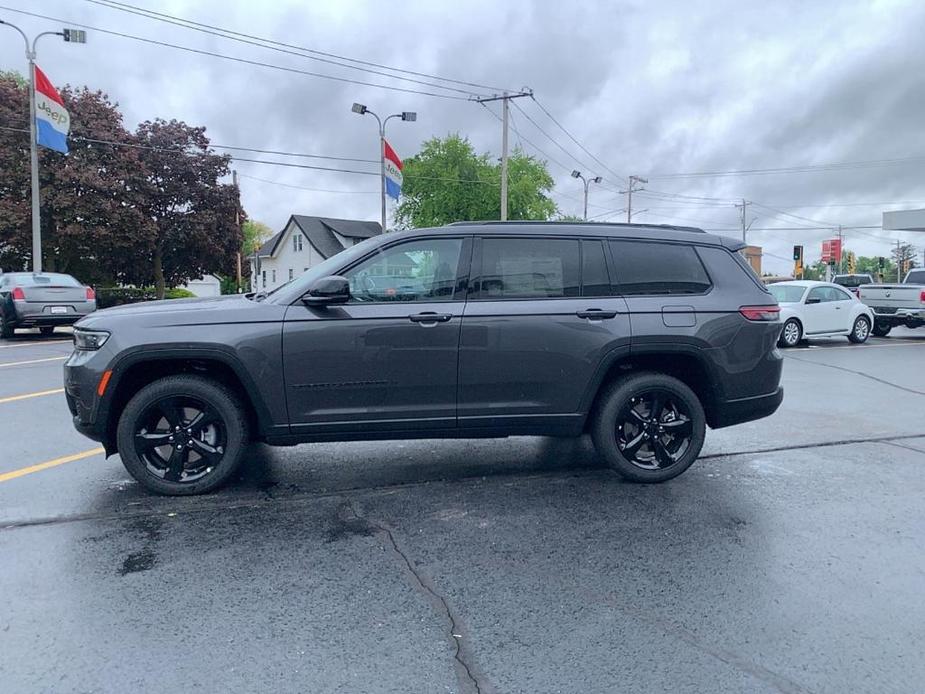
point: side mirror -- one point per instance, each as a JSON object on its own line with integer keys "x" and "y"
{"x": 814, "y": 300}
{"x": 333, "y": 289}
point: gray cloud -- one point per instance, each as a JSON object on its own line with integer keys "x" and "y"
{"x": 648, "y": 87}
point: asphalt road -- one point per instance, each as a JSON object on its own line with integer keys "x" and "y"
{"x": 791, "y": 558}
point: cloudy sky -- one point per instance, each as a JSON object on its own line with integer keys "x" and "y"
{"x": 649, "y": 88}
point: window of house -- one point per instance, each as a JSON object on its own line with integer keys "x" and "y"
{"x": 274, "y": 276}
{"x": 419, "y": 270}
{"x": 647, "y": 268}
{"x": 297, "y": 242}
{"x": 291, "y": 271}
{"x": 264, "y": 278}
{"x": 527, "y": 268}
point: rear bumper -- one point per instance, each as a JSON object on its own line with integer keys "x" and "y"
{"x": 733, "y": 412}
{"x": 900, "y": 315}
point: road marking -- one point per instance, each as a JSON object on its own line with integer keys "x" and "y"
{"x": 4, "y": 364}
{"x": 38, "y": 344}
{"x": 26, "y": 396}
{"x": 863, "y": 347}
{"x": 7, "y": 476}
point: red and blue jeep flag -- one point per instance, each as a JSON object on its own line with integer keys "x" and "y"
{"x": 393, "y": 176}
{"x": 52, "y": 121}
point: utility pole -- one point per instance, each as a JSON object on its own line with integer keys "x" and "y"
{"x": 504, "y": 99}
{"x": 745, "y": 225}
{"x": 899, "y": 262}
{"x": 405, "y": 116}
{"x": 71, "y": 36}
{"x": 633, "y": 180}
{"x": 841, "y": 250}
{"x": 237, "y": 226}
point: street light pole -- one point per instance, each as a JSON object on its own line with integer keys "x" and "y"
{"x": 587, "y": 182}
{"x": 405, "y": 116}
{"x": 70, "y": 35}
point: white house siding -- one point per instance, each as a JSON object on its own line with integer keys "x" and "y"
{"x": 286, "y": 259}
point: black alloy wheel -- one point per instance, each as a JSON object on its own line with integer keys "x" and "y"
{"x": 180, "y": 439}
{"x": 183, "y": 435}
{"x": 648, "y": 426}
{"x": 654, "y": 430}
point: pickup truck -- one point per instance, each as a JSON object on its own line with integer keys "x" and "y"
{"x": 896, "y": 304}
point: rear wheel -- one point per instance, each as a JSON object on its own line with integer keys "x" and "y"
{"x": 881, "y": 329}
{"x": 649, "y": 427}
{"x": 47, "y": 330}
{"x": 860, "y": 331}
{"x": 182, "y": 435}
{"x": 6, "y": 330}
{"x": 791, "y": 333}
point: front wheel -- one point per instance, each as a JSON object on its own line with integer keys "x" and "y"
{"x": 881, "y": 329}
{"x": 860, "y": 331}
{"x": 182, "y": 435}
{"x": 649, "y": 427}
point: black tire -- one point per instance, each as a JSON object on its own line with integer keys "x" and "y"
{"x": 881, "y": 329}
{"x": 47, "y": 330}
{"x": 216, "y": 432}
{"x": 860, "y": 331}
{"x": 6, "y": 330}
{"x": 638, "y": 450}
{"x": 790, "y": 334}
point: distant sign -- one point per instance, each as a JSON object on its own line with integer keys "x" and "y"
{"x": 831, "y": 251}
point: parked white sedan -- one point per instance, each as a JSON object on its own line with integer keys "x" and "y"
{"x": 820, "y": 309}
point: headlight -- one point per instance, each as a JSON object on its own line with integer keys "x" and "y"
{"x": 90, "y": 340}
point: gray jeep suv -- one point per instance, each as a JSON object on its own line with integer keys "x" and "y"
{"x": 639, "y": 335}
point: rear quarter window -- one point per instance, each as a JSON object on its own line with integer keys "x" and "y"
{"x": 650, "y": 268}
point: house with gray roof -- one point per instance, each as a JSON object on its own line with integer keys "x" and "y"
{"x": 303, "y": 243}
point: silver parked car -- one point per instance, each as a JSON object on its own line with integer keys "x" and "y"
{"x": 42, "y": 301}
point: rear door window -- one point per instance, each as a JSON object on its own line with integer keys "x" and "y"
{"x": 648, "y": 268}
{"x": 529, "y": 268}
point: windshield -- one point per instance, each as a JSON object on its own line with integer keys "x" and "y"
{"x": 787, "y": 293}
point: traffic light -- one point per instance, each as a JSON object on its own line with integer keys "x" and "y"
{"x": 798, "y": 252}
{"x": 852, "y": 262}
{"x": 881, "y": 263}
{"x": 798, "y": 261}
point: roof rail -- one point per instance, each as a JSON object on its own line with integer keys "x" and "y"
{"x": 526, "y": 222}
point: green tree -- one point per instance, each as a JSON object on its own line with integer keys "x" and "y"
{"x": 255, "y": 233}
{"x": 448, "y": 182}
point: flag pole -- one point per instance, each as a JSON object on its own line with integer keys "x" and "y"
{"x": 34, "y": 155}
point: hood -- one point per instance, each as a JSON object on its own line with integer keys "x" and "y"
{"x": 233, "y": 308}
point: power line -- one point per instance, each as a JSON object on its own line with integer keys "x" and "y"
{"x": 313, "y": 190}
{"x": 553, "y": 140}
{"x": 572, "y": 138}
{"x": 259, "y": 42}
{"x": 808, "y": 168}
{"x": 127, "y": 7}
{"x": 236, "y": 59}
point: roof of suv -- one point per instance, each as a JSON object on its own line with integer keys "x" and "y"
{"x": 662, "y": 232}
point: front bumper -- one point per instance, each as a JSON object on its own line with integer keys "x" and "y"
{"x": 82, "y": 374}
{"x": 732, "y": 412}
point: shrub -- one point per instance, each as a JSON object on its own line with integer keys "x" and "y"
{"x": 107, "y": 297}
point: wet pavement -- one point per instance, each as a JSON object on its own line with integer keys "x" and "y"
{"x": 791, "y": 558}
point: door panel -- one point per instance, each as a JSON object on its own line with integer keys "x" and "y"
{"x": 530, "y": 343}
{"x": 822, "y": 317}
{"x": 386, "y": 360}
{"x": 370, "y": 363}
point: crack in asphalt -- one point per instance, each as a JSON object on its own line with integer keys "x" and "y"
{"x": 464, "y": 671}
{"x": 263, "y": 500}
{"x": 905, "y": 446}
{"x": 857, "y": 373}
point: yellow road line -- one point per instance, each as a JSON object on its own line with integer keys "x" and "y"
{"x": 37, "y": 344}
{"x": 30, "y": 361}
{"x": 7, "y": 476}
{"x": 26, "y": 396}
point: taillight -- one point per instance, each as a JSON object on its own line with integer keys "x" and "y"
{"x": 922, "y": 296}
{"x": 760, "y": 313}
{"x": 91, "y": 295}
{"x": 18, "y": 294}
